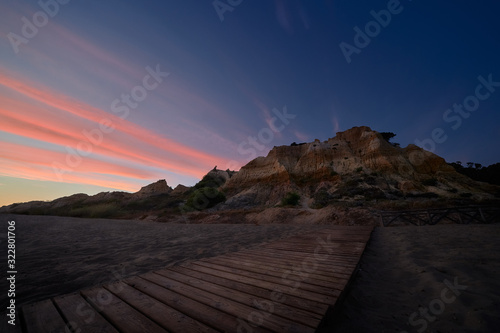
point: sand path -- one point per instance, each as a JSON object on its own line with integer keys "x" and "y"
{"x": 403, "y": 270}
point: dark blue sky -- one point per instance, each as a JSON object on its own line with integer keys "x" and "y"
{"x": 226, "y": 78}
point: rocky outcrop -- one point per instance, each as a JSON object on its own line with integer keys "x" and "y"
{"x": 353, "y": 163}
{"x": 180, "y": 190}
{"x": 160, "y": 187}
{"x": 359, "y": 147}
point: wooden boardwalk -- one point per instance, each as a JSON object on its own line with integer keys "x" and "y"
{"x": 282, "y": 286}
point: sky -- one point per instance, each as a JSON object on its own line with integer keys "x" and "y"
{"x": 114, "y": 95}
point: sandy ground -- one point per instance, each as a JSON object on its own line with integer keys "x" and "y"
{"x": 403, "y": 271}
{"x": 59, "y": 255}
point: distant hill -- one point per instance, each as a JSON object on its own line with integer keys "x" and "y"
{"x": 340, "y": 179}
{"x": 489, "y": 174}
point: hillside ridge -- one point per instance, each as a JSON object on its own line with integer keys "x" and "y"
{"x": 358, "y": 167}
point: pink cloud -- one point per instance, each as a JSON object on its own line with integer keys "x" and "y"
{"x": 190, "y": 161}
{"x": 301, "y": 136}
{"x": 45, "y": 158}
{"x": 59, "y": 133}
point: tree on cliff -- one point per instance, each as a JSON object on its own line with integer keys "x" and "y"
{"x": 387, "y": 136}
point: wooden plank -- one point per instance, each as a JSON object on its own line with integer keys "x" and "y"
{"x": 300, "y": 275}
{"x": 330, "y": 259}
{"x": 258, "y": 276}
{"x": 81, "y": 316}
{"x": 338, "y": 240}
{"x": 333, "y": 232}
{"x": 277, "y": 255}
{"x": 323, "y": 270}
{"x": 235, "y": 309}
{"x": 328, "y": 269}
{"x": 316, "y": 309}
{"x": 167, "y": 317}
{"x": 348, "y": 258}
{"x": 347, "y": 227}
{"x": 119, "y": 313}
{"x": 262, "y": 305}
{"x": 281, "y": 287}
{"x": 341, "y": 246}
{"x": 329, "y": 256}
{"x": 201, "y": 312}
{"x": 326, "y": 237}
{"x": 43, "y": 317}
{"x": 348, "y": 253}
{"x": 343, "y": 235}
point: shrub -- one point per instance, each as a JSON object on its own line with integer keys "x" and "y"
{"x": 101, "y": 210}
{"x": 359, "y": 169}
{"x": 104, "y": 210}
{"x": 290, "y": 199}
{"x": 210, "y": 180}
{"x": 387, "y": 136}
{"x": 321, "y": 199}
{"x": 204, "y": 198}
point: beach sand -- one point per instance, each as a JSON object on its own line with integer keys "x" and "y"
{"x": 404, "y": 269}
{"x": 59, "y": 255}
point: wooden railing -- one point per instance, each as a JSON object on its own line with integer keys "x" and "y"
{"x": 431, "y": 216}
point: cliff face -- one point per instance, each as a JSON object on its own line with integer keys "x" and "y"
{"x": 358, "y": 156}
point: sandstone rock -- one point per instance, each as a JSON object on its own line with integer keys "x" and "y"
{"x": 341, "y": 162}
{"x": 159, "y": 187}
{"x": 180, "y": 190}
